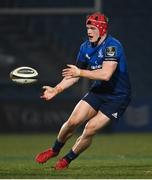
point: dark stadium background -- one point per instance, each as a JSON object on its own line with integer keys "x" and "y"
{"x": 48, "y": 42}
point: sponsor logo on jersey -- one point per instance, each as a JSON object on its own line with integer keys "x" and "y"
{"x": 96, "y": 67}
{"x": 110, "y": 51}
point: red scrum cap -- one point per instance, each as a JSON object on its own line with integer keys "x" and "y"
{"x": 100, "y": 21}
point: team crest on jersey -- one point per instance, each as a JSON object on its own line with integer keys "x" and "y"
{"x": 110, "y": 51}
{"x": 100, "y": 55}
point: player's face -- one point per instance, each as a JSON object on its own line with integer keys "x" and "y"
{"x": 93, "y": 33}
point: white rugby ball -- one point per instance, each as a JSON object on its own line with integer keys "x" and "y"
{"x": 24, "y": 75}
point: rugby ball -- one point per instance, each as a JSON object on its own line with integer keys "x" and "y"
{"x": 24, "y": 75}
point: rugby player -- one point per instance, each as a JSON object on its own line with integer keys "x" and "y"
{"x": 101, "y": 58}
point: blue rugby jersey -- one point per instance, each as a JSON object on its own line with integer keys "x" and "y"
{"x": 90, "y": 57}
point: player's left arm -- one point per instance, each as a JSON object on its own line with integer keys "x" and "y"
{"x": 108, "y": 68}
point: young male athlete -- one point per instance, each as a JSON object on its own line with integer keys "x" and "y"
{"x": 102, "y": 59}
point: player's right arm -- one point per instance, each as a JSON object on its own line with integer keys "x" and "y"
{"x": 50, "y": 92}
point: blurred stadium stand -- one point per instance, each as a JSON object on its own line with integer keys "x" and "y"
{"x": 48, "y": 42}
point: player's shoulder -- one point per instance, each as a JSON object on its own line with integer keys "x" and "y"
{"x": 113, "y": 41}
{"x": 84, "y": 45}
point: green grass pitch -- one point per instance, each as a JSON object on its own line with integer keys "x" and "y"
{"x": 110, "y": 156}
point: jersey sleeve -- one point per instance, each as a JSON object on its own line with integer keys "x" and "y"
{"x": 112, "y": 52}
{"x": 81, "y": 60}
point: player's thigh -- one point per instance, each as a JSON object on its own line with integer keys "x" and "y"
{"x": 96, "y": 123}
{"x": 82, "y": 112}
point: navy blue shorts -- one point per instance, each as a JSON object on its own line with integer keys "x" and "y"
{"x": 112, "y": 106}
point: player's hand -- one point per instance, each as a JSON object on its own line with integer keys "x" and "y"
{"x": 71, "y": 71}
{"x": 48, "y": 93}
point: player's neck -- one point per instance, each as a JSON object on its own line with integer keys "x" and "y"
{"x": 99, "y": 41}
{"x": 102, "y": 39}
